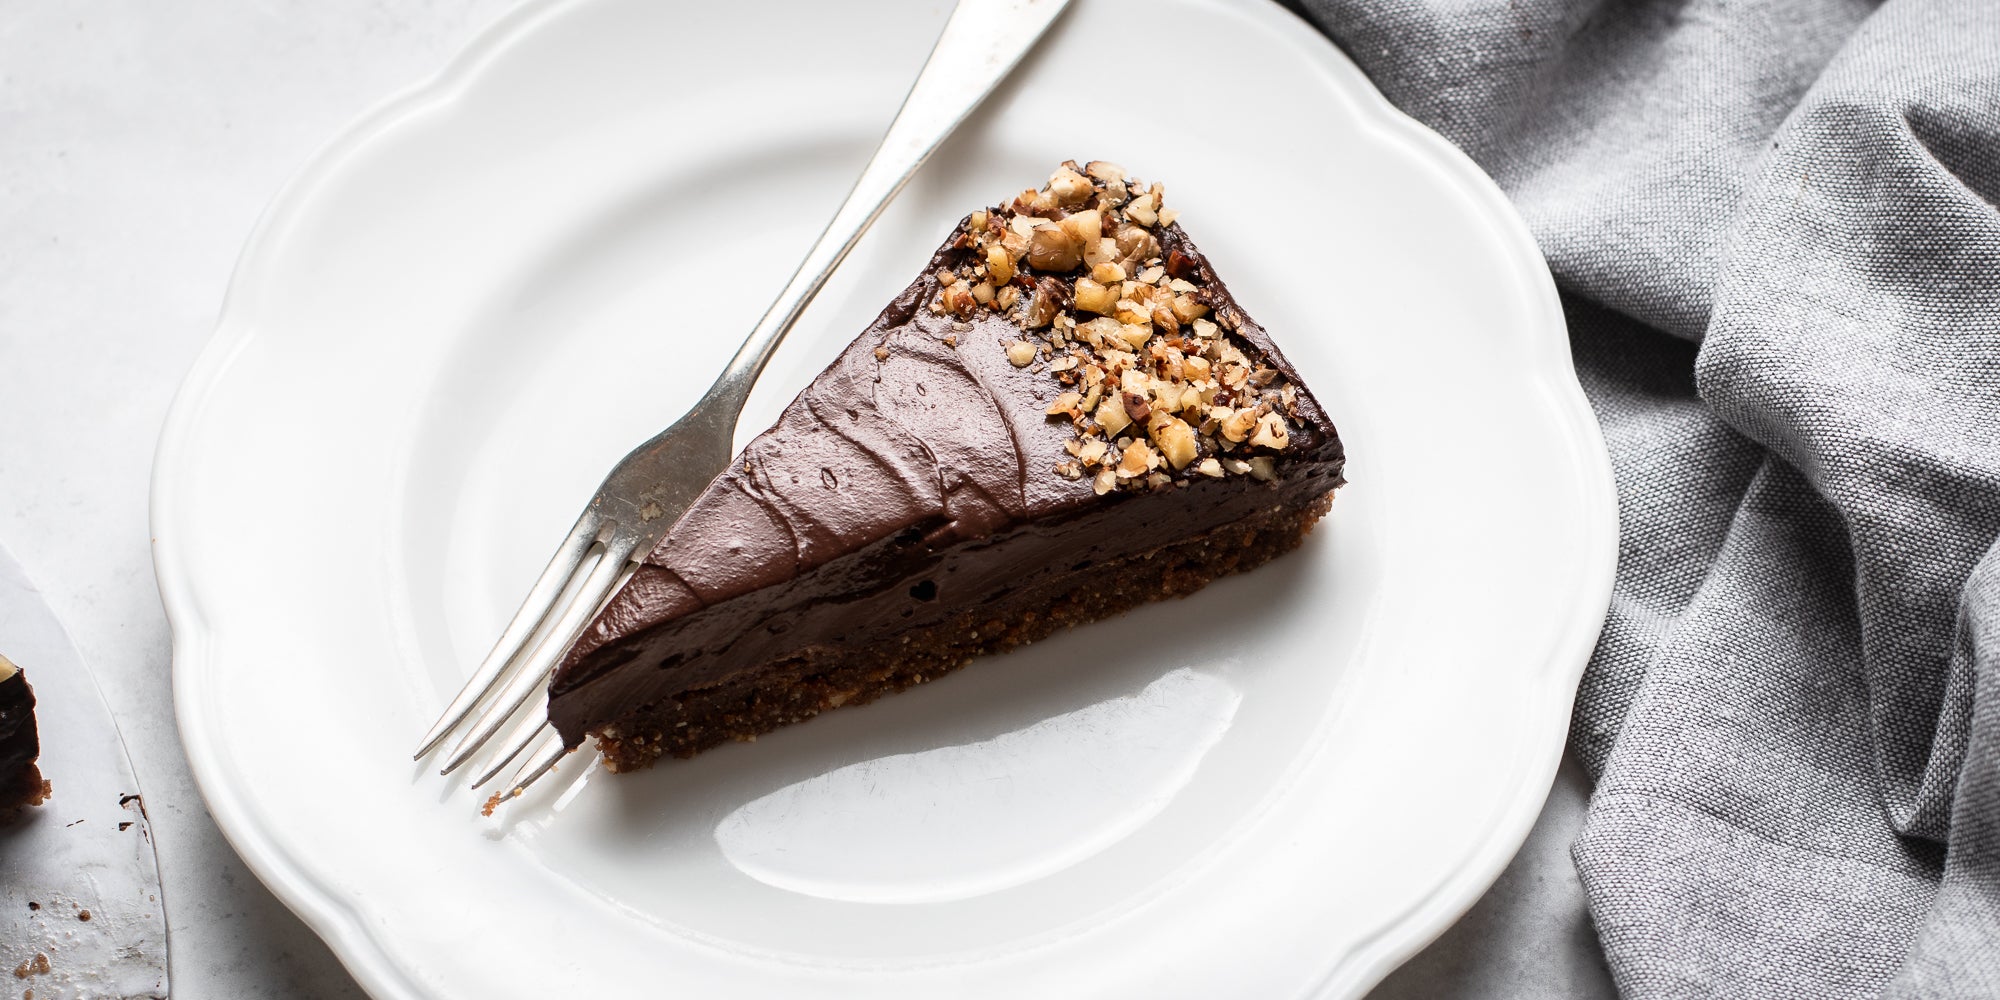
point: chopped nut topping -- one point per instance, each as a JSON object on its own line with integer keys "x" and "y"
{"x": 1157, "y": 389}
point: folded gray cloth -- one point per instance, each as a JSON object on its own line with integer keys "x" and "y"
{"x": 1774, "y": 225}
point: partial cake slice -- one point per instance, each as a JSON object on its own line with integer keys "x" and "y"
{"x": 21, "y": 782}
{"x": 1065, "y": 416}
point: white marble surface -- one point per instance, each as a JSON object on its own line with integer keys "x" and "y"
{"x": 139, "y": 140}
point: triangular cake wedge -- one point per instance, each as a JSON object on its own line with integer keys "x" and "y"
{"x": 1065, "y": 416}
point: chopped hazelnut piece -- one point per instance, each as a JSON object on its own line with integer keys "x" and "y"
{"x": 1187, "y": 309}
{"x": 1064, "y": 404}
{"x": 1130, "y": 311}
{"x": 999, "y": 266}
{"x": 1237, "y": 426}
{"x": 1176, "y": 441}
{"x": 1051, "y": 248}
{"x": 1093, "y": 297}
{"x": 1045, "y": 304}
{"x": 1021, "y": 353}
{"x": 1101, "y": 251}
{"x": 1111, "y": 415}
{"x": 1138, "y": 459}
{"x": 1087, "y": 227}
{"x": 1144, "y": 209}
{"x": 1069, "y": 187}
{"x": 1271, "y": 432}
{"x": 958, "y": 300}
{"x": 1105, "y": 482}
{"x": 1094, "y": 331}
{"x": 1104, "y": 170}
{"x": 1209, "y": 467}
{"x": 1135, "y": 244}
{"x": 1263, "y": 467}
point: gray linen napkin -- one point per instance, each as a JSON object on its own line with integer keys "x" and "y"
{"x": 1774, "y": 224}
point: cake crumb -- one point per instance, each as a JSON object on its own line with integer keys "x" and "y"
{"x": 492, "y": 803}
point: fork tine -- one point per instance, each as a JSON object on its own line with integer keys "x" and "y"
{"x": 604, "y": 577}
{"x": 534, "y": 610}
{"x": 526, "y": 733}
{"x": 545, "y": 761}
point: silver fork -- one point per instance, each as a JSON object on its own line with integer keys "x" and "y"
{"x": 648, "y": 491}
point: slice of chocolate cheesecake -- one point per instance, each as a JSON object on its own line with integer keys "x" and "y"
{"x": 21, "y": 782}
{"x": 1065, "y": 416}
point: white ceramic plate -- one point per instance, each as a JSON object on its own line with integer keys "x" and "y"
{"x": 472, "y": 303}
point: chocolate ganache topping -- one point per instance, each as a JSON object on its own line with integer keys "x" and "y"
{"x": 1061, "y": 356}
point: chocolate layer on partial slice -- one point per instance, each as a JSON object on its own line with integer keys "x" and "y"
{"x": 21, "y": 782}
{"x": 1066, "y": 415}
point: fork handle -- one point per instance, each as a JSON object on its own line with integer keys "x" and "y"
{"x": 982, "y": 41}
